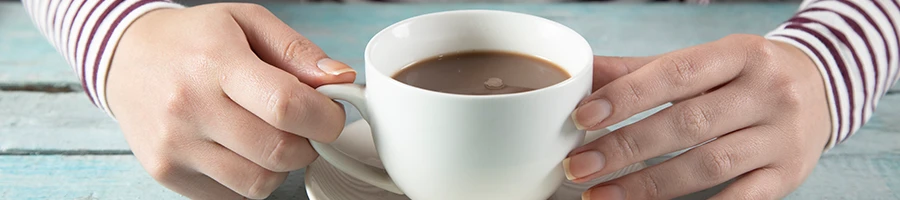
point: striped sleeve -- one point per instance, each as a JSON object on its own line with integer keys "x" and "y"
{"x": 855, "y": 46}
{"x": 86, "y": 32}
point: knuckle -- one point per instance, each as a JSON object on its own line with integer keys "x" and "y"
{"x": 745, "y": 38}
{"x": 794, "y": 174}
{"x": 263, "y": 185}
{"x": 161, "y": 164}
{"x": 693, "y": 122}
{"x": 254, "y": 7}
{"x": 162, "y": 168}
{"x": 285, "y": 106}
{"x": 760, "y": 48}
{"x": 281, "y": 158}
{"x": 625, "y": 145}
{"x": 755, "y": 193}
{"x": 681, "y": 71}
{"x": 716, "y": 164}
{"x": 651, "y": 186}
{"x": 244, "y": 6}
{"x": 631, "y": 91}
{"x": 297, "y": 47}
{"x": 168, "y": 139}
{"x": 788, "y": 92}
{"x": 177, "y": 104}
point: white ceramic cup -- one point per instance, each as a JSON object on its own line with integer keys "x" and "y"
{"x": 437, "y": 146}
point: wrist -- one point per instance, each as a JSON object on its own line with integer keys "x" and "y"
{"x": 814, "y": 76}
{"x": 125, "y": 47}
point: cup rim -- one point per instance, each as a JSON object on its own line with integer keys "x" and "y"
{"x": 573, "y": 76}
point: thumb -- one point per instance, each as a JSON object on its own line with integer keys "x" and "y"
{"x": 278, "y": 44}
{"x": 607, "y": 68}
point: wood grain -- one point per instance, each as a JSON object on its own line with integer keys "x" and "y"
{"x": 97, "y": 177}
{"x": 342, "y": 31}
{"x": 54, "y": 122}
{"x": 325, "y": 182}
{"x": 865, "y": 167}
{"x": 121, "y": 177}
{"x": 60, "y": 121}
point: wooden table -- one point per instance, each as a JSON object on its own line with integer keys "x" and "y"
{"x": 55, "y": 145}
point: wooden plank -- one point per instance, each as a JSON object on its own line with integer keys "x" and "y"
{"x": 97, "y": 177}
{"x": 121, "y": 177}
{"x": 865, "y": 166}
{"x": 343, "y": 30}
{"x": 25, "y": 55}
{"x": 56, "y": 122}
{"x": 29, "y": 119}
{"x": 60, "y": 121}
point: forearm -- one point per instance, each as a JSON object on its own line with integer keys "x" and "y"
{"x": 86, "y": 33}
{"x": 855, "y": 46}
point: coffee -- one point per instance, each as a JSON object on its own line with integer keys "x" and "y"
{"x": 482, "y": 73}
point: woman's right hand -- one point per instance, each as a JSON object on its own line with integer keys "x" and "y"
{"x": 217, "y": 101}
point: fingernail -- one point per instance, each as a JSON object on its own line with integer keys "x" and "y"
{"x": 611, "y": 192}
{"x": 333, "y": 67}
{"x": 583, "y": 164}
{"x": 566, "y": 168}
{"x": 591, "y": 113}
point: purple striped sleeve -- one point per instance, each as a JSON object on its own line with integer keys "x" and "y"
{"x": 855, "y": 46}
{"x": 86, "y": 34}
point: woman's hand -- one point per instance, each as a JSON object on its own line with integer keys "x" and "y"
{"x": 218, "y": 101}
{"x": 763, "y": 102}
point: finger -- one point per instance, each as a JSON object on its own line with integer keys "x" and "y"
{"x": 763, "y": 183}
{"x": 163, "y": 158}
{"x": 699, "y": 168}
{"x": 680, "y": 126}
{"x": 167, "y": 165}
{"x": 252, "y": 138}
{"x": 235, "y": 172}
{"x": 671, "y": 77}
{"x": 280, "y": 100}
{"x": 199, "y": 186}
{"x": 278, "y": 44}
{"x": 607, "y": 68}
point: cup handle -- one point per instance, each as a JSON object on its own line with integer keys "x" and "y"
{"x": 354, "y": 94}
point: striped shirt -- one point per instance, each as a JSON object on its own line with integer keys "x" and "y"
{"x": 854, "y": 44}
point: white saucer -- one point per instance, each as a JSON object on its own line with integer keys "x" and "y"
{"x": 324, "y": 182}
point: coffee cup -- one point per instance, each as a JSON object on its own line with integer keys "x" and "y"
{"x": 437, "y": 146}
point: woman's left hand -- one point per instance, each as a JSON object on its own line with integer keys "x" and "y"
{"x": 762, "y": 101}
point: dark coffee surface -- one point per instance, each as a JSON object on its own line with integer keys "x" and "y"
{"x": 482, "y": 73}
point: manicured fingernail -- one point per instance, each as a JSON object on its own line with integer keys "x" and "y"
{"x": 566, "y": 168}
{"x": 583, "y": 164}
{"x": 591, "y": 113}
{"x": 334, "y": 67}
{"x": 610, "y": 192}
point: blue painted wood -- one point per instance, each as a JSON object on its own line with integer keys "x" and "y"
{"x": 42, "y": 122}
{"x": 97, "y": 177}
{"x": 865, "y": 167}
{"x": 343, "y": 30}
{"x": 25, "y": 55}
{"x": 121, "y": 177}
